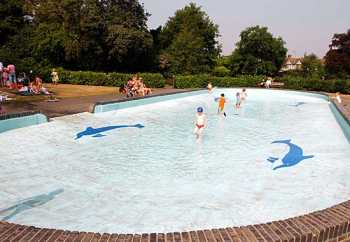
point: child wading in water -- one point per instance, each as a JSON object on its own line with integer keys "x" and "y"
{"x": 210, "y": 87}
{"x": 243, "y": 95}
{"x": 222, "y": 102}
{"x": 238, "y": 100}
{"x": 200, "y": 122}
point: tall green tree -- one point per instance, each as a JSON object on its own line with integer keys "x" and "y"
{"x": 258, "y": 53}
{"x": 15, "y": 33}
{"x": 312, "y": 67}
{"x": 11, "y": 19}
{"x": 338, "y": 57}
{"x": 128, "y": 41}
{"x": 91, "y": 34}
{"x": 189, "y": 41}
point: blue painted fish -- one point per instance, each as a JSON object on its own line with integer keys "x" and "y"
{"x": 29, "y": 203}
{"x": 97, "y": 133}
{"x": 297, "y": 104}
{"x": 292, "y": 158}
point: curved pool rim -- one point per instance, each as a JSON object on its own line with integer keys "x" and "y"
{"x": 330, "y": 224}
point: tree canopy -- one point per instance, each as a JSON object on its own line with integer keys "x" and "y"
{"x": 189, "y": 41}
{"x": 258, "y": 52}
{"x": 338, "y": 57}
{"x": 11, "y": 18}
{"x": 81, "y": 34}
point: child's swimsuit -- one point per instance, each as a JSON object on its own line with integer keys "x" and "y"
{"x": 222, "y": 103}
{"x": 200, "y": 121}
{"x": 199, "y": 126}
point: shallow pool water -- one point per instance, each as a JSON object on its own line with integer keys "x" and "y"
{"x": 160, "y": 178}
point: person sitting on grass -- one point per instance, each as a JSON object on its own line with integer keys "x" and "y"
{"x": 123, "y": 90}
{"x": 24, "y": 91}
{"x": 33, "y": 89}
{"x": 135, "y": 87}
{"x": 147, "y": 90}
{"x": 38, "y": 83}
{"x": 129, "y": 88}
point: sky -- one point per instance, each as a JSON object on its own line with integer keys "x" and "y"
{"x": 307, "y": 26}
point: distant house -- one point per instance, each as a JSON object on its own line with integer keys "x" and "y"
{"x": 292, "y": 63}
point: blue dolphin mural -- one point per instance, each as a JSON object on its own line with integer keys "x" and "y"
{"x": 96, "y": 133}
{"x": 29, "y": 203}
{"x": 297, "y": 104}
{"x": 292, "y": 158}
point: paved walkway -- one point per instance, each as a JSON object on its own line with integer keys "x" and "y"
{"x": 344, "y": 106}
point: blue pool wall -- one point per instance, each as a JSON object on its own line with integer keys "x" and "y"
{"x": 134, "y": 102}
{"x": 20, "y": 120}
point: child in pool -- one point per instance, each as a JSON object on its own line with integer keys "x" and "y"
{"x": 222, "y": 102}
{"x": 210, "y": 87}
{"x": 200, "y": 122}
{"x": 243, "y": 95}
{"x": 238, "y": 100}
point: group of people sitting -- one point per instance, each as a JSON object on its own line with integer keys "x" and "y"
{"x": 28, "y": 87}
{"x": 135, "y": 87}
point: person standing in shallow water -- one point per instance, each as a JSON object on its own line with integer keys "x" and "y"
{"x": 210, "y": 87}
{"x": 243, "y": 95}
{"x": 221, "y": 108}
{"x": 238, "y": 100}
{"x": 200, "y": 122}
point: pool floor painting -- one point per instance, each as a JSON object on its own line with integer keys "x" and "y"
{"x": 141, "y": 169}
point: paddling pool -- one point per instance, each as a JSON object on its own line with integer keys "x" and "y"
{"x": 139, "y": 168}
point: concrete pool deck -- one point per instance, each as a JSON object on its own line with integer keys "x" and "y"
{"x": 332, "y": 224}
{"x": 72, "y": 99}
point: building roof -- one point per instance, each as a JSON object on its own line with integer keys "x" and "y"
{"x": 293, "y": 60}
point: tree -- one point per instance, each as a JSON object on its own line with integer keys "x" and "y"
{"x": 312, "y": 67}
{"x": 11, "y": 19}
{"x": 91, "y": 34}
{"x": 222, "y": 66}
{"x": 189, "y": 41}
{"x": 338, "y": 57}
{"x": 15, "y": 33}
{"x": 258, "y": 53}
{"x": 128, "y": 40}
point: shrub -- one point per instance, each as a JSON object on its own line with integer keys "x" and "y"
{"x": 154, "y": 80}
{"x": 221, "y": 71}
{"x": 300, "y": 83}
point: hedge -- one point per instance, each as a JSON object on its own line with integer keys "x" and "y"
{"x": 154, "y": 80}
{"x": 201, "y": 81}
{"x": 299, "y": 83}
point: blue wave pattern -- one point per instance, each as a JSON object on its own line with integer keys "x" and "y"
{"x": 97, "y": 133}
{"x": 292, "y": 158}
